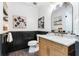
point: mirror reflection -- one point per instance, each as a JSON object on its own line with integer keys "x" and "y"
{"x": 62, "y": 18}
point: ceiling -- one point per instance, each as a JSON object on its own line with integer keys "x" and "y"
{"x": 38, "y": 3}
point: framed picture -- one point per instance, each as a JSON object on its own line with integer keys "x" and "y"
{"x": 19, "y": 22}
{"x": 41, "y": 22}
{"x": 5, "y": 9}
{"x": 5, "y": 17}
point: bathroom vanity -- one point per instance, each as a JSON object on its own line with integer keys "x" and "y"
{"x": 56, "y": 46}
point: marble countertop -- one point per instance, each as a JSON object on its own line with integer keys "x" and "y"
{"x": 67, "y": 41}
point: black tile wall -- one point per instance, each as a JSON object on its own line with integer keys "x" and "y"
{"x": 20, "y": 41}
{"x": 0, "y": 44}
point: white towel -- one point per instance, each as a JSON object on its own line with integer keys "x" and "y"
{"x": 9, "y": 38}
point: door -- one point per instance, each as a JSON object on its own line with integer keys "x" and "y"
{"x": 50, "y": 51}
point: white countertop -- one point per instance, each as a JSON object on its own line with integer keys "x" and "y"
{"x": 67, "y": 41}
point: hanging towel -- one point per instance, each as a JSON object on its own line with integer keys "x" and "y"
{"x": 9, "y": 38}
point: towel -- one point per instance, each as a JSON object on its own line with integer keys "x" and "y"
{"x": 9, "y": 38}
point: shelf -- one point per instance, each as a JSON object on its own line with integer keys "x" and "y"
{"x": 57, "y": 24}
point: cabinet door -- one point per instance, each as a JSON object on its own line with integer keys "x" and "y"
{"x": 53, "y": 51}
{"x": 58, "y": 53}
{"x": 50, "y": 51}
{"x": 77, "y": 48}
{"x": 60, "y": 50}
{"x": 42, "y": 47}
{"x": 48, "y": 48}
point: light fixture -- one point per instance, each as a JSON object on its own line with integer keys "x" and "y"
{"x": 34, "y": 3}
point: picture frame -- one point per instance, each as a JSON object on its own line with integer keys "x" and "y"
{"x": 41, "y": 22}
{"x": 19, "y": 22}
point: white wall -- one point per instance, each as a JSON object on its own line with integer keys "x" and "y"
{"x": 46, "y": 11}
{"x": 75, "y": 17}
{"x": 33, "y": 13}
{"x": 21, "y": 9}
{"x": 1, "y": 17}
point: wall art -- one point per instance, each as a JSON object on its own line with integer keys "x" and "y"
{"x": 5, "y": 9}
{"x": 41, "y": 22}
{"x": 19, "y": 22}
{"x": 5, "y": 17}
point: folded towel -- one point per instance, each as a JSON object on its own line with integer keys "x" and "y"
{"x": 9, "y": 38}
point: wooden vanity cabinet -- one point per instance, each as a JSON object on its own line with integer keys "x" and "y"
{"x": 50, "y": 48}
{"x": 43, "y": 48}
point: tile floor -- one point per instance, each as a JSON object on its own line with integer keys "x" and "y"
{"x": 23, "y": 52}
